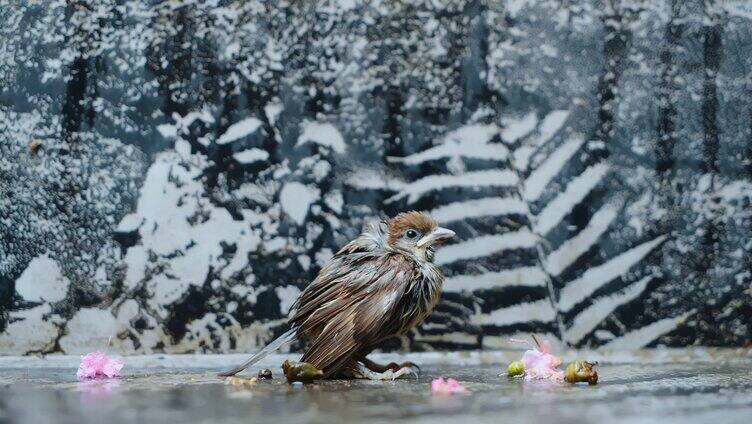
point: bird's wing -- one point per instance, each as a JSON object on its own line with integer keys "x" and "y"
{"x": 351, "y": 266}
{"x": 280, "y": 341}
{"x": 337, "y": 285}
{"x": 362, "y": 315}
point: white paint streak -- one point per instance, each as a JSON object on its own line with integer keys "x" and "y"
{"x": 323, "y": 134}
{"x": 485, "y": 246}
{"x": 171, "y": 197}
{"x": 569, "y": 251}
{"x": 486, "y": 178}
{"x": 524, "y": 276}
{"x": 455, "y": 150}
{"x": 272, "y": 111}
{"x": 369, "y": 179}
{"x": 575, "y": 192}
{"x": 551, "y": 124}
{"x": 601, "y": 308}
{"x": 129, "y": 223}
{"x": 287, "y": 297}
{"x": 539, "y": 179}
{"x": 469, "y": 141}
{"x": 522, "y": 157}
{"x": 89, "y": 327}
{"x": 28, "y": 331}
{"x": 642, "y": 337}
{"x": 239, "y": 130}
{"x": 251, "y": 155}
{"x": 489, "y": 206}
{"x": 516, "y": 129}
{"x": 42, "y": 281}
{"x": 594, "y": 278}
{"x": 296, "y": 199}
{"x": 540, "y": 311}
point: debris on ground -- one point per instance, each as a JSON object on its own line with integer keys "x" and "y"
{"x": 581, "y": 372}
{"x": 240, "y": 381}
{"x": 265, "y": 374}
{"x": 516, "y": 368}
{"x": 301, "y": 371}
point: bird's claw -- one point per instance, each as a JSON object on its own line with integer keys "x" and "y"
{"x": 390, "y": 374}
{"x": 407, "y": 368}
{"x": 408, "y": 364}
{"x": 396, "y": 367}
{"x": 412, "y": 369}
{"x": 399, "y": 373}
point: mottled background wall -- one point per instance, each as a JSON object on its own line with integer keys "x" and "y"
{"x": 173, "y": 173}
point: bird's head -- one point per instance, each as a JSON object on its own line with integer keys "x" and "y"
{"x": 417, "y": 233}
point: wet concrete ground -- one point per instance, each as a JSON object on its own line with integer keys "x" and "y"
{"x": 692, "y": 386}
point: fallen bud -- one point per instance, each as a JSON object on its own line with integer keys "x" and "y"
{"x": 581, "y": 372}
{"x": 301, "y": 371}
{"x": 515, "y": 368}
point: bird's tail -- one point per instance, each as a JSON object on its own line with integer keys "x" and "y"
{"x": 280, "y": 341}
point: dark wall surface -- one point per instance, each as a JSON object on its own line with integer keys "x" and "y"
{"x": 173, "y": 173}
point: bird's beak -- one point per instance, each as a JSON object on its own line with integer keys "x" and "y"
{"x": 437, "y": 236}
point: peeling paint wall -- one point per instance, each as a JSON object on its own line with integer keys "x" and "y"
{"x": 173, "y": 174}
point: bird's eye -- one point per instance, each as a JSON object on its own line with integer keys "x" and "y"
{"x": 411, "y": 234}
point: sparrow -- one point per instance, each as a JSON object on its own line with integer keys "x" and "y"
{"x": 378, "y": 286}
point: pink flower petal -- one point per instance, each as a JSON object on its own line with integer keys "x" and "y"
{"x": 541, "y": 364}
{"x": 85, "y": 373}
{"x": 441, "y": 387}
{"x": 97, "y": 364}
{"x": 112, "y": 368}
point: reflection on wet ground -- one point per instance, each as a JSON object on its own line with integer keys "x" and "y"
{"x": 687, "y": 391}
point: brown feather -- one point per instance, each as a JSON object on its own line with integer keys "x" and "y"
{"x": 369, "y": 292}
{"x": 406, "y": 220}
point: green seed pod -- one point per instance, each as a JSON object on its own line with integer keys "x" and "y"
{"x": 581, "y": 372}
{"x": 515, "y": 368}
{"x": 301, "y": 371}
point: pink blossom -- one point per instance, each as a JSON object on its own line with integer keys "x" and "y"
{"x": 98, "y": 364}
{"x": 541, "y": 364}
{"x": 448, "y": 387}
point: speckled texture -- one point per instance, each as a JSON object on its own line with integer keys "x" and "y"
{"x": 197, "y": 162}
{"x": 670, "y": 387}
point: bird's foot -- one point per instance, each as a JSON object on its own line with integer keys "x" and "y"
{"x": 363, "y": 372}
{"x": 376, "y": 367}
{"x": 408, "y": 364}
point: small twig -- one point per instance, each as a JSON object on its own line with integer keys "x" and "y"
{"x": 535, "y": 339}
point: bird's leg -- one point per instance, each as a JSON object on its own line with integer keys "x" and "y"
{"x": 361, "y": 371}
{"x": 370, "y": 370}
{"x": 376, "y": 367}
{"x": 409, "y": 364}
